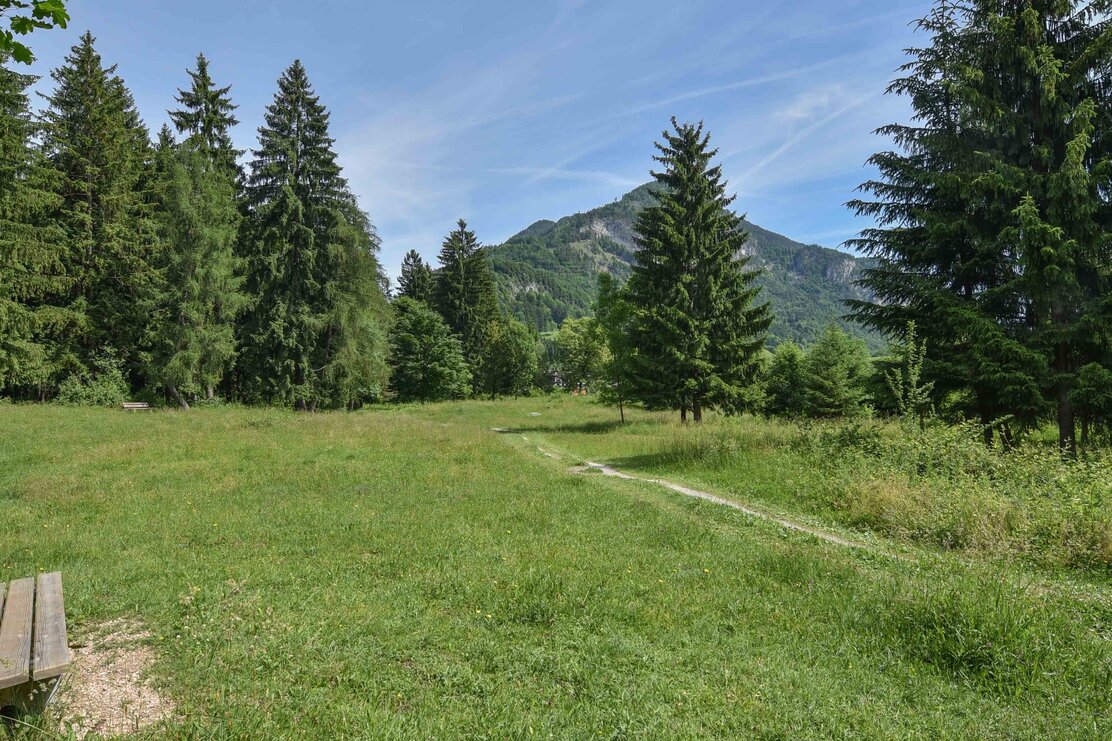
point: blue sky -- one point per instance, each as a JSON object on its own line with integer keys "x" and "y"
{"x": 504, "y": 112}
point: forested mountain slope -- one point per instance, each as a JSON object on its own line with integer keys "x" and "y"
{"x": 549, "y": 271}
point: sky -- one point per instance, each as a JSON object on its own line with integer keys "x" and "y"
{"x": 504, "y": 112}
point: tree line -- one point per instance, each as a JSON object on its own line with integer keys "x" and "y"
{"x": 165, "y": 264}
{"x": 165, "y": 267}
{"x": 451, "y": 338}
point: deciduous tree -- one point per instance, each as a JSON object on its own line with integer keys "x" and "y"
{"x": 426, "y": 358}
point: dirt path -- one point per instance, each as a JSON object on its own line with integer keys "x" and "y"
{"x": 799, "y": 527}
{"x": 715, "y": 499}
{"x": 906, "y": 554}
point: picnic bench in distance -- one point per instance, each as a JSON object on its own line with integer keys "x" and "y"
{"x": 136, "y": 406}
{"x": 34, "y": 650}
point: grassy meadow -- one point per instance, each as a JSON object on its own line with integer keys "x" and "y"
{"x": 410, "y": 573}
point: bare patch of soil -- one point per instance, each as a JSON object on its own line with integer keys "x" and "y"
{"x": 107, "y": 691}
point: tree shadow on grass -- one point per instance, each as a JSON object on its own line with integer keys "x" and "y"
{"x": 645, "y": 463}
{"x": 585, "y": 428}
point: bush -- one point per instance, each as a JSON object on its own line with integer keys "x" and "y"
{"x": 106, "y": 386}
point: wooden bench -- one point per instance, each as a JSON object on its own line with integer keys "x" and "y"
{"x": 136, "y": 406}
{"x": 34, "y": 650}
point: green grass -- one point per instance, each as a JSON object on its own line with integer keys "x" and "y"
{"x": 942, "y": 489}
{"x": 409, "y": 573}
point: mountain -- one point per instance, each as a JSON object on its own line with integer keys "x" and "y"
{"x": 549, "y": 271}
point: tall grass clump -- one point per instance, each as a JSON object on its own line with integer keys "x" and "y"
{"x": 989, "y": 634}
{"x": 718, "y": 445}
{"x": 943, "y": 485}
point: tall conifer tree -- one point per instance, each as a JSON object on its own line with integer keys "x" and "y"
{"x": 31, "y": 268}
{"x": 416, "y": 278}
{"x": 100, "y": 152}
{"x": 1047, "y": 83}
{"x": 193, "y": 328}
{"x": 314, "y": 336}
{"x": 464, "y": 291}
{"x": 207, "y": 117}
{"x": 992, "y": 217}
{"x": 200, "y": 297}
{"x": 696, "y": 330}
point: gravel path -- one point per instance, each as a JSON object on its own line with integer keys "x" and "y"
{"x": 715, "y": 499}
{"x": 799, "y": 527}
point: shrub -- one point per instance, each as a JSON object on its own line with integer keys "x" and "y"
{"x": 945, "y": 487}
{"x": 106, "y": 386}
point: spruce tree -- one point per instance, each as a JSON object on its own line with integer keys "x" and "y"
{"x": 464, "y": 291}
{"x": 1046, "y": 86}
{"x": 193, "y": 328}
{"x": 931, "y": 265}
{"x": 315, "y": 333}
{"x": 206, "y": 117}
{"x": 991, "y": 218}
{"x": 416, "y": 278}
{"x": 32, "y": 280}
{"x": 697, "y": 332}
{"x": 835, "y": 376}
{"x": 784, "y": 386}
{"x": 99, "y": 152}
{"x": 427, "y": 359}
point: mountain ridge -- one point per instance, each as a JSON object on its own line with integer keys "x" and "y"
{"x": 548, "y": 271}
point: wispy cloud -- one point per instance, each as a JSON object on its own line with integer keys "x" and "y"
{"x": 803, "y": 134}
{"x": 730, "y": 87}
{"x": 539, "y": 174}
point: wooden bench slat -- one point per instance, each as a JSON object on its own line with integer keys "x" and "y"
{"x": 15, "y": 634}
{"x": 51, "y": 654}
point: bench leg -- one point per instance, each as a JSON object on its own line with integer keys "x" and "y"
{"x": 30, "y": 698}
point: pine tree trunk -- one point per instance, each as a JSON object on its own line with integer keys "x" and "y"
{"x": 1067, "y": 424}
{"x": 697, "y": 412}
{"x": 683, "y": 413}
{"x": 177, "y": 396}
{"x": 986, "y": 424}
{"x": 622, "y": 409}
